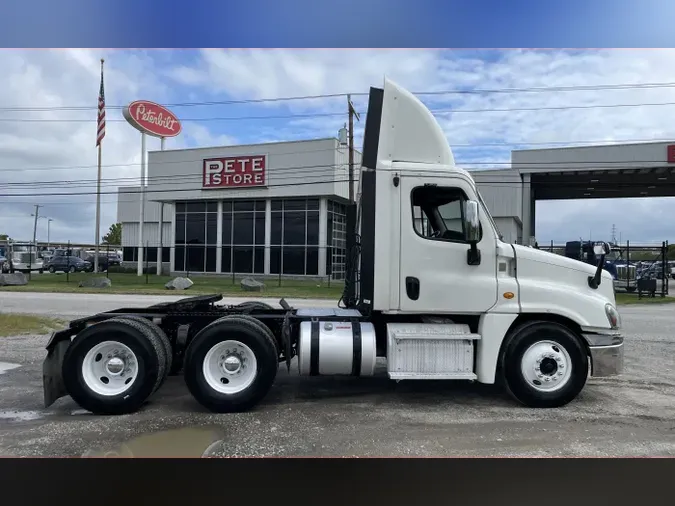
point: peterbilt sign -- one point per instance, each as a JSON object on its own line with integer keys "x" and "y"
{"x": 152, "y": 119}
{"x": 235, "y": 172}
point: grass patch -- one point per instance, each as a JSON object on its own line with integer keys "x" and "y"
{"x": 132, "y": 283}
{"x": 12, "y": 324}
{"x": 632, "y": 299}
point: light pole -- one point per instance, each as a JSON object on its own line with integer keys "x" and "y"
{"x": 49, "y": 222}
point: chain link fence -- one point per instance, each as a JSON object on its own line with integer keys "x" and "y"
{"x": 642, "y": 269}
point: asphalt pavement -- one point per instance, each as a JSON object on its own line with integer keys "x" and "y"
{"x": 82, "y": 304}
{"x": 630, "y": 415}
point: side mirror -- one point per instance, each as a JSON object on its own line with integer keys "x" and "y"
{"x": 471, "y": 222}
{"x": 601, "y": 248}
{"x": 472, "y": 231}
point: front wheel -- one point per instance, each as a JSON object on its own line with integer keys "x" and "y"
{"x": 71, "y": 270}
{"x": 231, "y": 364}
{"x": 544, "y": 365}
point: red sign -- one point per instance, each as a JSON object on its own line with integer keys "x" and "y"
{"x": 235, "y": 172}
{"x": 151, "y": 118}
{"x": 671, "y": 153}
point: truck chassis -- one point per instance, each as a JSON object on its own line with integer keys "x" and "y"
{"x": 113, "y": 362}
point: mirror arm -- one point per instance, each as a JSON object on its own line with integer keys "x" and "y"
{"x": 473, "y": 255}
{"x": 594, "y": 281}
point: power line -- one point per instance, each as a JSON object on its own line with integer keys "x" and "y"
{"x": 362, "y": 113}
{"x": 434, "y": 175}
{"x": 598, "y": 142}
{"x": 472, "y": 91}
{"x": 174, "y": 179}
{"x": 75, "y": 194}
{"x": 591, "y": 165}
{"x": 295, "y": 172}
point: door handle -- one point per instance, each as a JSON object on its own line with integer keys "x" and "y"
{"x": 412, "y": 287}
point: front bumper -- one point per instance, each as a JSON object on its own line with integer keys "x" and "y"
{"x": 606, "y": 352}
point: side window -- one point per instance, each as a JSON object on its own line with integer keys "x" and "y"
{"x": 438, "y": 213}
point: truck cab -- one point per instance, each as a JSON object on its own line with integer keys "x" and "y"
{"x": 429, "y": 248}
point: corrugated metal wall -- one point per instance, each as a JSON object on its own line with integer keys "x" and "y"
{"x": 150, "y": 234}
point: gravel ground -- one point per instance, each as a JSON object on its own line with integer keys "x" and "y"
{"x": 631, "y": 415}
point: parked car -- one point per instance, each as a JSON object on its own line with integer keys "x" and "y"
{"x": 114, "y": 259}
{"x": 66, "y": 263}
{"x": 103, "y": 261}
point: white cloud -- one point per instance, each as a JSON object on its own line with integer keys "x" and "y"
{"x": 480, "y": 139}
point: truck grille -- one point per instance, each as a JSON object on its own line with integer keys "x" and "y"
{"x": 624, "y": 272}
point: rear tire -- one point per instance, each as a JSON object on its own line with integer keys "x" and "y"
{"x": 160, "y": 336}
{"x": 215, "y": 364}
{"x": 94, "y": 386}
{"x": 544, "y": 365}
{"x": 52, "y": 270}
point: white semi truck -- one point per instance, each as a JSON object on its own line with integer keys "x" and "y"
{"x": 430, "y": 286}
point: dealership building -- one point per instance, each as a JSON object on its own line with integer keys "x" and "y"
{"x": 279, "y": 208}
{"x": 264, "y": 209}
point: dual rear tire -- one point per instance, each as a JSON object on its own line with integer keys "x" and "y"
{"x": 231, "y": 364}
{"x": 114, "y": 367}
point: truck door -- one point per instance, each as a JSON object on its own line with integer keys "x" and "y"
{"x": 435, "y": 275}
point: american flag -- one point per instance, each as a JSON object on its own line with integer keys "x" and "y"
{"x": 101, "y": 112}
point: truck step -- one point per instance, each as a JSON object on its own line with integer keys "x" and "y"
{"x": 431, "y": 331}
{"x": 437, "y": 376}
{"x": 430, "y": 351}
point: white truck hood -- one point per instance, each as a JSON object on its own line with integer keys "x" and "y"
{"x": 553, "y": 283}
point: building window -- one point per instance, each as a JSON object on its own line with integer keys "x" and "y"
{"x": 294, "y": 244}
{"x": 336, "y": 239}
{"x": 128, "y": 254}
{"x": 196, "y": 236}
{"x": 243, "y": 248}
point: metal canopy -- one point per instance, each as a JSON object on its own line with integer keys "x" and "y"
{"x": 603, "y": 183}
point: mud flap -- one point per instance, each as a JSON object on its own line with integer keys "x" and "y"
{"x": 52, "y": 379}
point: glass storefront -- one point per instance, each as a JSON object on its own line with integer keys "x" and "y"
{"x": 294, "y": 237}
{"x": 196, "y": 236}
{"x": 294, "y": 244}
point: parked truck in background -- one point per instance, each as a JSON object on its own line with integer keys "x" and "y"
{"x": 448, "y": 301}
{"x": 22, "y": 257}
{"x": 624, "y": 273}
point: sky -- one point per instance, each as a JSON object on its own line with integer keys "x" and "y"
{"x": 48, "y": 118}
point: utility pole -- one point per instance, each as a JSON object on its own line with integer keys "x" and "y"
{"x": 37, "y": 210}
{"x": 30, "y": 255}
{"x": 352, "y": 113}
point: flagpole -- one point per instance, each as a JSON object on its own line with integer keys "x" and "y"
{"x": 98, "y": 193}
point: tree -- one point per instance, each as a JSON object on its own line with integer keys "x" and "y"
{"x": 4, "y": 237}
{"x": 114, "y": 235}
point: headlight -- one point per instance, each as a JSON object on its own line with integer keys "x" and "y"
{"x": 612, "y": 316}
